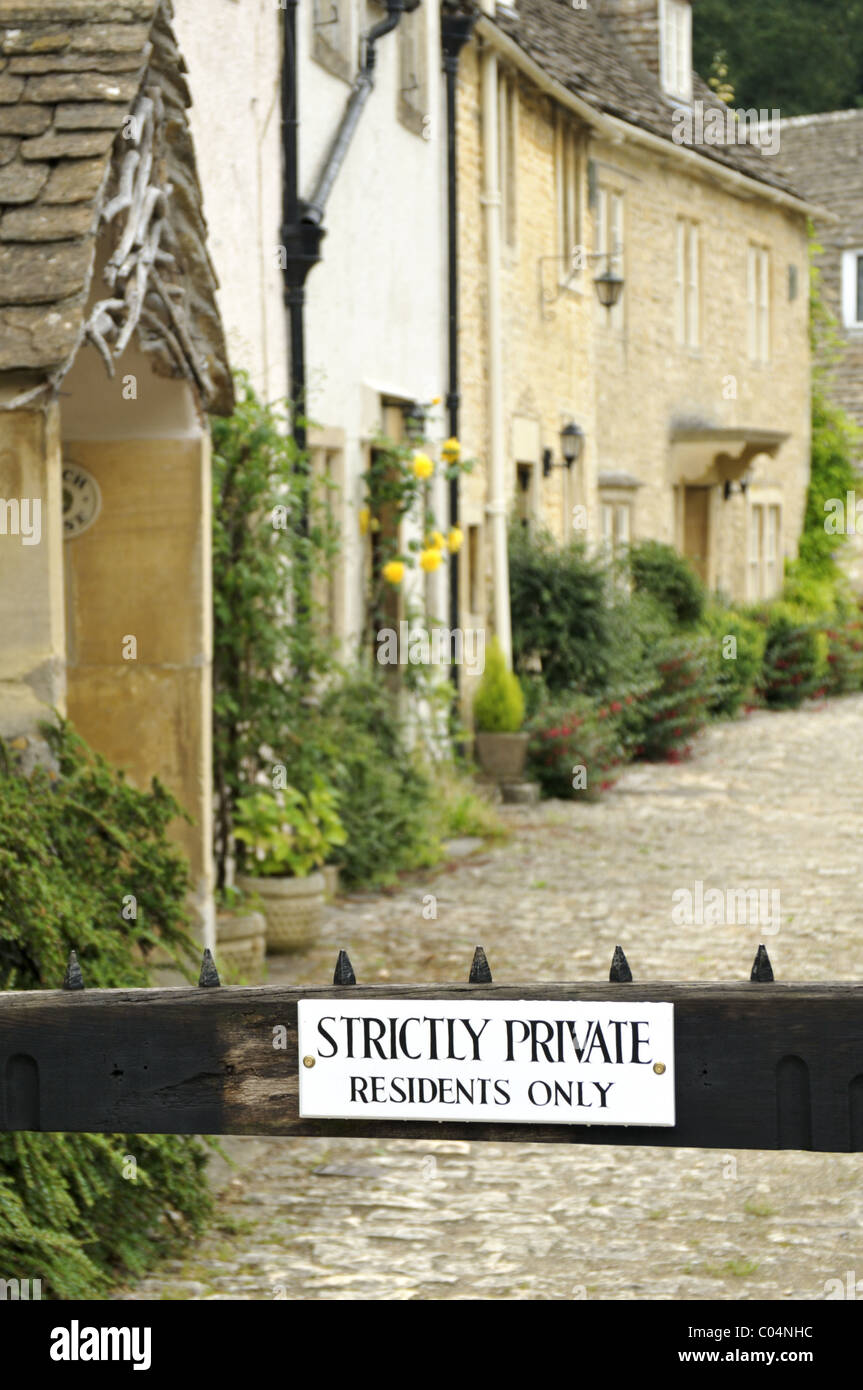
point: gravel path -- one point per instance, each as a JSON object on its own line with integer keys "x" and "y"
{"x": 773, "y": 802}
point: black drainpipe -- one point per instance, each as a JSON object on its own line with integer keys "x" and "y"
{"x": 456, "y": 29}
{"x": 302, "y": 231}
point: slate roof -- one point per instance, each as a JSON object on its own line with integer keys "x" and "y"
{"x": 71, "y": 71}
{"x": 579, "y": 49}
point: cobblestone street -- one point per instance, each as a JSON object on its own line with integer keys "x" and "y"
{"x": 773, "y": 801}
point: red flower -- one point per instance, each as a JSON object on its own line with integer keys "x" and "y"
{"x": 616, "y": 707}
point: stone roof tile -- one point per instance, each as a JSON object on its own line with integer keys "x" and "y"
{"x": 579, "y": 49}
{"x": 76, "y": 70}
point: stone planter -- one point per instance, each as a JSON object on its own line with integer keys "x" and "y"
{"x": 331, "y": 881}
{"x": 293, "y": 907}
{"x": 502, "y": 756}
{"x": 241, "y": 943}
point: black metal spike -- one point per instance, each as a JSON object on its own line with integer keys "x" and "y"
{"x": 620, "y": 973}
{"x": 73, "y": 979}
{"x": 209, "y": 976}
{"x": 762, "y": 970}
{"x": 344, "y": 971}
{"x": 480, "y": 973}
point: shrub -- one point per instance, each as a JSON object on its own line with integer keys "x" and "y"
{"x": 738, "y": 667}
{"x": 76, "y": 852}
{"x": 385, "y": 796}
{"x": 498, "y": 705}
{"x": 575, "y": 747}
{"x": 659, "y": 570}
{"x": 795, "y": 657}
{"x": 290, "y": 833}
{"x": 559, "y": 606}
{"x": 845, "y": 655}
{"x": 678, "y": 705}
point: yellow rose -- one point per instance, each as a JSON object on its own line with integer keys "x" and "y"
{"x": 454, "y": 540}
{"x": 435, "y": 541}
{"x": 435, "y": 400}
{"x": 393, "y": 571}
{"x": 365, "y": 518}
{"x": 423, "y": 466}
{"x": 450, "y": 450}
{"x": 430, "y": 560}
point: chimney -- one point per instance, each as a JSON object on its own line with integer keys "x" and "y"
{"x": 658, "y": 33}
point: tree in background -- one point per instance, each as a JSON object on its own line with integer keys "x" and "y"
{"x": 800, "y": 56}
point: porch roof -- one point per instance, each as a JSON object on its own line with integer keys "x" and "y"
{"x": 95, "y": 147}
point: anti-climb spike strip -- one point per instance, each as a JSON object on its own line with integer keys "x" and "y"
{"x": 344, "y": 971}
{"x": 480, "y": 974}
{"x": 762, "y": 970}
{"x": 620, "y": 973}
{"x": 209, "y": 976}
{"x": 73, "y": 979}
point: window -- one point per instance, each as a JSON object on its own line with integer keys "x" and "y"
{"x": 609, "y": 244}
{"x": 326, "y": 448}
{"x": 675, "y": 18}
{"x": 756, "y": 525}
{"x": 507, "y": 145}
{"x": 758, "y": 302}
{"x": 772, "y": 581}
{"x": 687, "y": 284}
{"x": 474, "y": 577}
{"x": 852, "y": 289}
{"x": 616, "y": 518}
{"x": 413, "y": 72}
{"x": 765, "y": 550}
{"x": 568, "y": 184}
{"x": 332, "y": 43}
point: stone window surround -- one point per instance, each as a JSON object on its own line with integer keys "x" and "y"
{"x": 413, "y": 97}
{"x": 332, "y": 42}
{"x": 570, "y": 161}
{"x": 688, "y": 336}
{"x": 852, "y": 307}
{"x": 611, "y": 196}
{"x": 759, "y": 332}
{"x": 507, "y": 158}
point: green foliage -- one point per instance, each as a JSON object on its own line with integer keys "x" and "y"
{"x": 558, "y": 600}
{"x": 845, "y": 655}
{"x": 273, "y": 540}
{"x": 659, "y": 570}
{"x": 290, "y": 833}
{"x": 85, "y": 863}
{"x": 575, "y": 747}
{"x": 498, "y": 706}
{"x": 679, "y": 705}
{"x": 738, "y": 662}
{"x": 359, "y": 741}
{"x": 795, "y": 657}
{"x": 800, "y": 56}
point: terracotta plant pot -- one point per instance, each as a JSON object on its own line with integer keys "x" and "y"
{"x": 241, "y": 942}
{"x": 502, "y": 756}
{"x": 293, "y": 908}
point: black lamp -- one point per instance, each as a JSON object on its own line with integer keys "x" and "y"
{"x": 571, "y": 445}
{"x": 609, "y": 288}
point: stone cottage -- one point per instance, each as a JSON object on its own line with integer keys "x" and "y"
{"x": 111, "y": 352}
{"x": 681, "y": 411}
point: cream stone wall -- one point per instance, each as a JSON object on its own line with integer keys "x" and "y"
{"x": 646, "y": 383}
{"x": 631, "y": 386}
{"x": 142, "y": 572}
{"x": 32, "y": 650}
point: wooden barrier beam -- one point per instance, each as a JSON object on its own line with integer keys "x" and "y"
{"x": 758, "y": 1065}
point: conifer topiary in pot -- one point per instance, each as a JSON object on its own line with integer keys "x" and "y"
{"x": 290, "y": 836}
{"x": 498, "y": 713}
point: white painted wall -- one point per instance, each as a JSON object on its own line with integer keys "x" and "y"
{"x": 376, "y": 304}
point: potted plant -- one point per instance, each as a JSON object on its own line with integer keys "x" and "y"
{"x": 498, "y": 713}
{"x": 289, "y": 835}
{"x": 241, "y": 935}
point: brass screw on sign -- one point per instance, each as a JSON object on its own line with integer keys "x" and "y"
{"x": 659, "y": 1068}
{"x": 308, "y": 1061}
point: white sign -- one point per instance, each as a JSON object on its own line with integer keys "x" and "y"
{"x": 516, "y": 1062}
